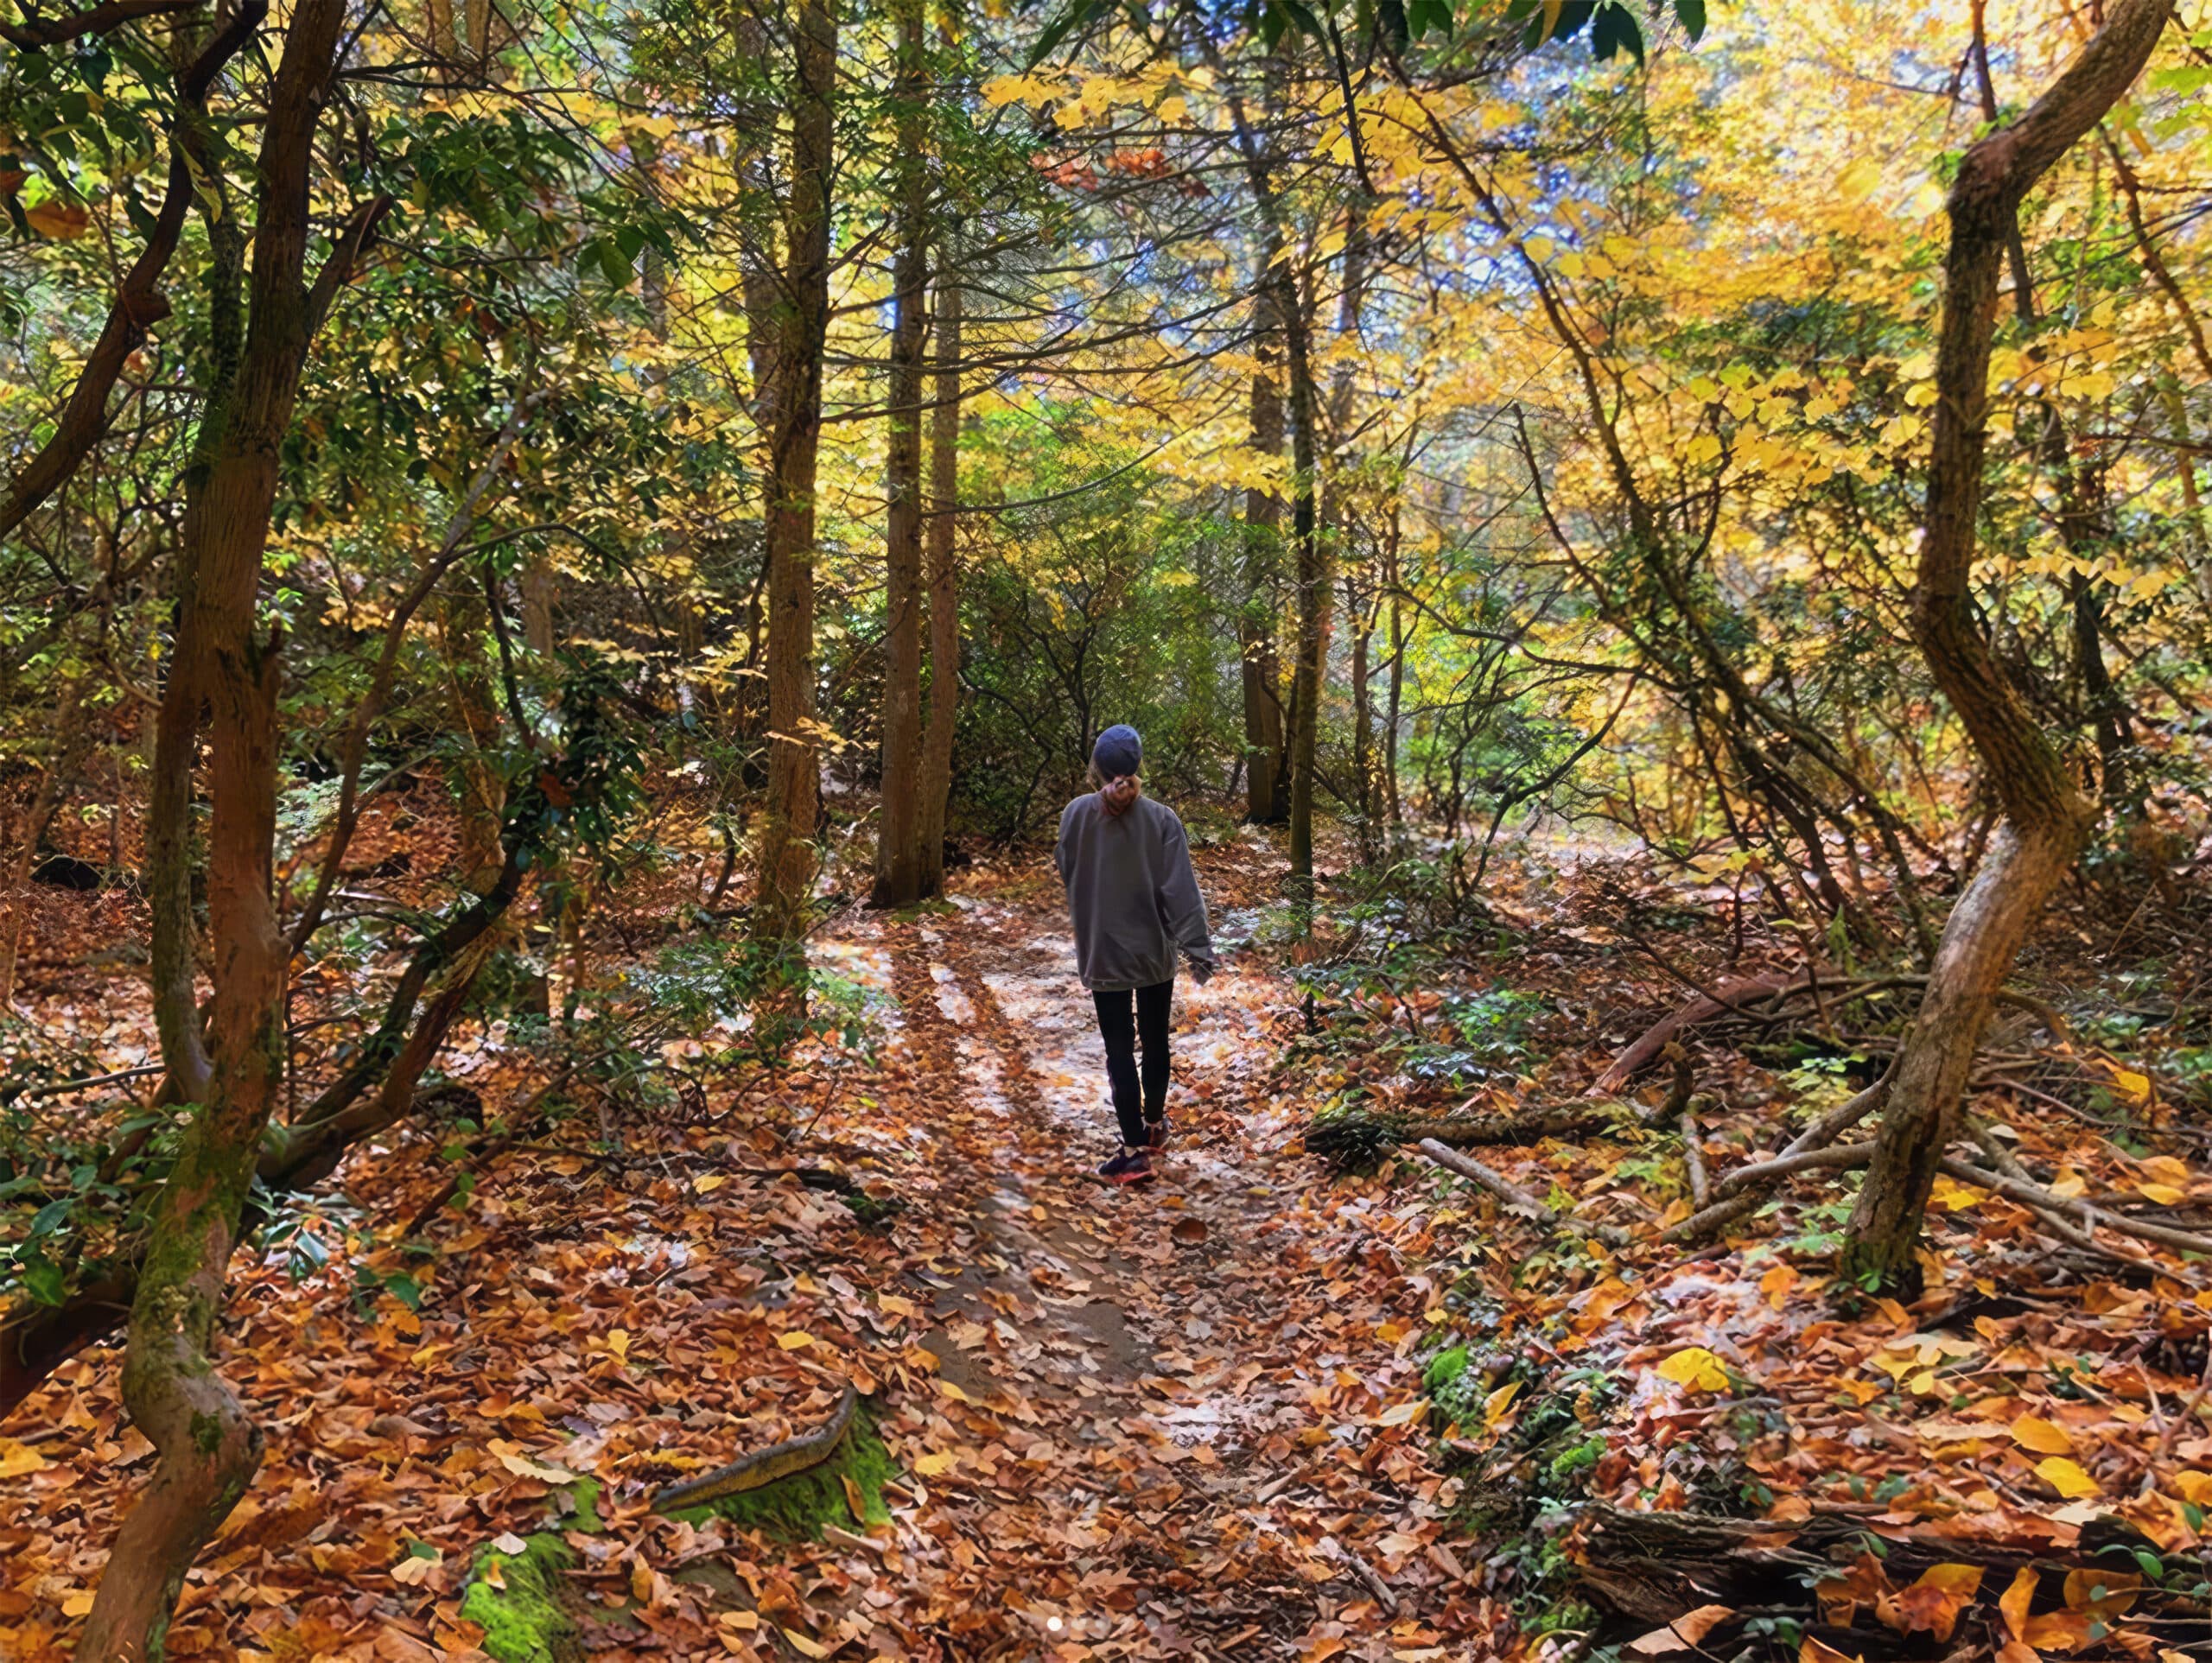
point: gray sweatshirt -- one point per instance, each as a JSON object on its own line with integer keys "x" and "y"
{"x": 1131, "y": 892}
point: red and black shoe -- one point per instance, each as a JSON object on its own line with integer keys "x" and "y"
{"x": 1155, "y": 1134}
{"x": 1129, "y": 1166}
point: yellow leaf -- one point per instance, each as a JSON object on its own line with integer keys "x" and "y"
{"x": 17, "y": 1459}
{"x": 1857, "y": 182}
{"x": 1953, "y": 1197}
{"x": 2066, "y": 1477}
{"x": 1777, "y": 1282}
{"x": 1695, "y": 1367}
{"x": 1173, "y": 109}
{"x": 2043, "y": 1437}
{"x": 618, "y": 1342}
{"x": 802, "y": 1645}
{"x": 1398, "y": 1413}
{"x": 1703, "y": 448}
{"x": 77, "y": 1605}
{"x": 794, "y": 1339}
{"x": 1538, "y": 248}
{"x": 936, "y": 1463}
{"x": 2164, "y": 1194}
{"x": 709, "y": 1184}
{"x": 1496, "y": 1405}
{"x": 2130, "y": 1086}
{"x": 512, "y": 1458}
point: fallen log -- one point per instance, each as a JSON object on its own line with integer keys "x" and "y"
{"x": 1650, "y": 1568}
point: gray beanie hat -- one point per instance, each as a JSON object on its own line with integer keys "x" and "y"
{"x": 1119, "y": 751}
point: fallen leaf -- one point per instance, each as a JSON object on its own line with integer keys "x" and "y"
{"x": 17, "y": 1459}
{"x": 2066, "y": 1477}
{"x": 2043, "y": 1437}
{"x": 1933, "y": 1603}
{"x": 1684, "y": 1633}
{"x": 1695, "y": 1368}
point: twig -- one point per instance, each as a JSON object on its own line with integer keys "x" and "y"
{"x": 62, "y": 1088}
{"x": 2007, "y": 1163}
{"x": 1368, "y": 1574}
{"x": 1516, "y": 1198}
{"x": 1817, "y": 1136}
{"x": 2041, "y": 1199}
{"x": 1694, "y": 1158}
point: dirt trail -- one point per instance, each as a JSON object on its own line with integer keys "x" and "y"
{"x": 1177, "y": 1368}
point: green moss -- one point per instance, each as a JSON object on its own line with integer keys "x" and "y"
{"x": 796, "y": 1509}
{"x": 526, "y": 1619}
{"x": 871, "y": 1212}
{"x": 583, "y": 1505}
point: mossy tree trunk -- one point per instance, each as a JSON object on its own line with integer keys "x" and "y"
{"x": 788, "y": 858}
{"x": 207, "y": 1450}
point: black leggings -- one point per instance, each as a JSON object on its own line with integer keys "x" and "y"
{"x": 1120, "y": 1033}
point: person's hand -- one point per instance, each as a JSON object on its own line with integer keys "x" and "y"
{"x": 1202, "y": 971}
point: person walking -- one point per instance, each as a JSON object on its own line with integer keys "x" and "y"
{"x": 1134, "y": 902}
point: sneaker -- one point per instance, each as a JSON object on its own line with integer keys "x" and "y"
{"x": 1155, "y": 1134}
{"x": 1129, "y": 1166}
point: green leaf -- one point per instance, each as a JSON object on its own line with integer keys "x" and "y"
{"x": 42, "y": 1280}
{"x": 1691, "y": 15}
{"x": 1613, "y": 29}
{"x": 617, "y": 271}
{"x": 1058, "y": 30}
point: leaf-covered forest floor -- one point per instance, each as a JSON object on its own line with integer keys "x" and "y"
{"x": 1262, "y": 1408}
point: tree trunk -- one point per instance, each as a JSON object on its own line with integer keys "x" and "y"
{"x": 2047, "y": 819}
{"x": 71, "y": 732}
{"x": 1313, "y": 592}
{"x": 944, "y": 574}
{"x": 207, "y": 1450}
{"x": 1362, "y": 719}
{"x": 788, "y": 859}
{"x": 899, "y": 860}
{"x": 1390, "y": 577}
{"x": 1264, "y": 802}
